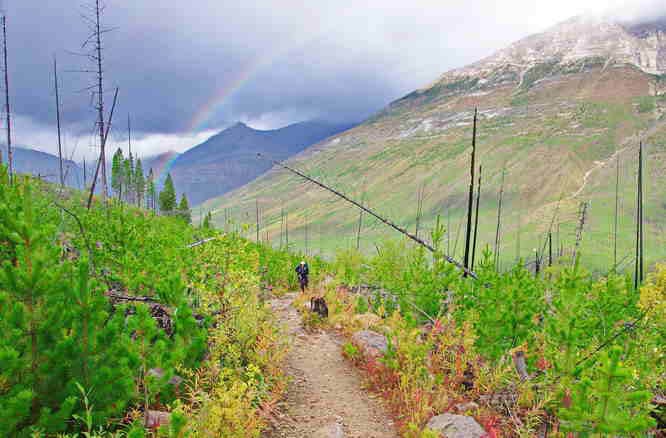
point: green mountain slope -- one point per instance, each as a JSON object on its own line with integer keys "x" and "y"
{"x": 555, "y": 110}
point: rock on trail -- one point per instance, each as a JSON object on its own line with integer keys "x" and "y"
{"x": 325, "y": 398}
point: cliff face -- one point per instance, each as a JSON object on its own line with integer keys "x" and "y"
{"x": 642, "y": 45}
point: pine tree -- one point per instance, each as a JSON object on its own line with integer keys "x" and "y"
{"x": 117, "y": 173}
{"x": 150, "y": 191}
{"x": 168, "y": 196}
{"x": 208, "y": 221}
{"x": 607, "y": 403}
{"x": 56, "y": 328}
{"x": 139, "y": 182}
{"x": 184, "y": 209}
{"x": 127, "y": 179}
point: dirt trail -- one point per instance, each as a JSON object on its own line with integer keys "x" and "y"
{"x": 628, "y": 143}
{"x": 325, "y": 390}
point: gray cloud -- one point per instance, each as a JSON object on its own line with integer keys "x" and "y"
{"x": 284, "y": 60}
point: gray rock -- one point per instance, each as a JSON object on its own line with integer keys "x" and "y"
{"x": 333, "y": 430}
{"x": 464, "y": 407}
{"x": 456, "y": 426}
{"x": 155, "y": 419}
{"x": 370, "y": 342}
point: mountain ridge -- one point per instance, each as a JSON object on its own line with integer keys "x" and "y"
{"x": 547, "y": 121}
{"x": 228, "y": 159}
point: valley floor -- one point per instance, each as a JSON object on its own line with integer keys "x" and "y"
{"x": 325, "y": 398}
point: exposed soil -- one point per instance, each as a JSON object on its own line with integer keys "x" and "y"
{"x": 325, "y": 391}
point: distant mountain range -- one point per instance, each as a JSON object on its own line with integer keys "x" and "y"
{"x": 45, "y": 166}
{"x": 222, "y": 163}
{"x": 229, "y": 160}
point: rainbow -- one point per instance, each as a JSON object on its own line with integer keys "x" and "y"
{"x": 162, "y": 167}
{"x": 249, "y": 71}
{"x": 210, "y": 108}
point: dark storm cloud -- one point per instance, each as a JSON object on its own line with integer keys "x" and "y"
{"x": 293, "y": 59}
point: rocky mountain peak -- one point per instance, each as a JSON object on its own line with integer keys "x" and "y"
{"x": 579, "y": 38}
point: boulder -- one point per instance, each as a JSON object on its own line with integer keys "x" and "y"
{"x": 333, "y": 430}
{"x": 371, "y": 343}
{"x": 155, "y": 419}
{"x": 456, "y": 426}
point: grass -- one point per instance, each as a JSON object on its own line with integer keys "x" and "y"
{"x": 547, "y": 150}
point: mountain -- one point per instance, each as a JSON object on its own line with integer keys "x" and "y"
{"x": 557, "y": 110}
{"x": 229, "y": 159}
{"x": 160, "y": 163}
{"x": 45, "y": 165}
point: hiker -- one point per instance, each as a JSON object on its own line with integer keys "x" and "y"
{"x": 303, "y": 271}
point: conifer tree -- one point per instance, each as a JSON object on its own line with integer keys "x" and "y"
{"x": 150, "y": 191}
{"x": 56, "y": 329}
{"x": 168, "y": 196}
{"x": 139, "y": 182}
{"x": 208, "y": 221}
{"x": 117, "y": 172}
{"x": 184, "y": 209}
{"x": 128, "y": 178}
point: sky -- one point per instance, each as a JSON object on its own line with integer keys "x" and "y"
{"x": 187, "y": 69}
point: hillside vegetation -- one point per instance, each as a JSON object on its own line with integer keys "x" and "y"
{"x": 557, "y": 133}
{"x": 557, "y": 355}
{"x": 109, "y": 320}
{"x": 114, "y": 324}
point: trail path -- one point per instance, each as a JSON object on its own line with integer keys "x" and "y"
{"x": 631, "y": 142}
{"x": 324, "y": 398}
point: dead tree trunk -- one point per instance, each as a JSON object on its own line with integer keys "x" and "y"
{"x": 638, "y": 275}
{"x": 385, "y": 221}
{"x": 476, "y": 219}
{"x": 100, "y": 161}
{"x": 10, "y": 153}
{"x": 57, "y": 97}
{"x": 358, "y": 231}
{"x": 550, "y": 249}
{"x": 499, "y": 221}
{"x": 419, "y": 209}
{"x": 470, "y": 201}
{"x": 617, "y": 205}
{"x": 256, "y": 207}
{"x": 579, "y": 233}
{"x": 100, "y": 99}
{"x": 281, "y": 226}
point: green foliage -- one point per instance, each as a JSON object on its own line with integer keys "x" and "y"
{"x": 348, "y": 265}
{"x": 603, "y": 403}
{"x": 128, "y": 178}
{"x": 184, "y": 209}
{"x": 506, "y": 308}
{"x": 151, "y": 193}
{"x": 71, "y": 361}
{"x": 168, "y": 196}
{"x": 557, "y": 320}
{"x": 139, "y": 183}
{"x": 361, "y": 304}
{"x": 57, "y": 327}
{"x": 117, "y": 172}
{"x": 208, "y": 221}
{"x": 351, "y": 351}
